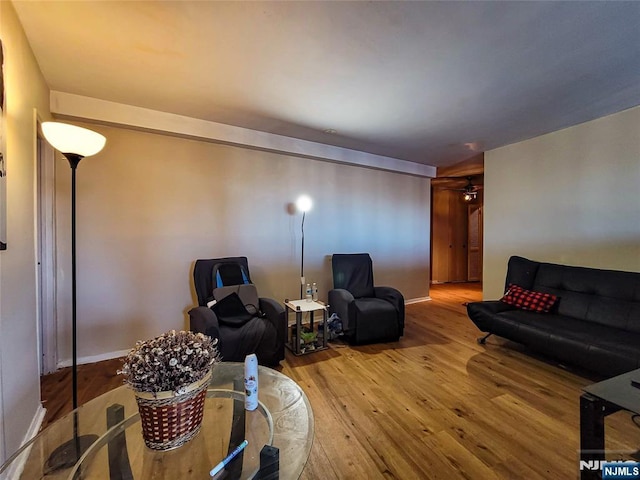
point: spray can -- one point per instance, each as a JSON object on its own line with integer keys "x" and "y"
{"x": 251, "y": 382}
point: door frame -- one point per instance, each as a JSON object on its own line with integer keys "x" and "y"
{"x": 475, "y": 245}
{"x": 46, "y": 260}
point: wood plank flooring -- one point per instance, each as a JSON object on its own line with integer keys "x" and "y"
{"x": 433, "y": 405}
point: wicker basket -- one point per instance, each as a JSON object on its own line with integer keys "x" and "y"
{"x": 170, "y": 420}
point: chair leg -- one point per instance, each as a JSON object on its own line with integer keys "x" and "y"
{"x": 483, "y": 340}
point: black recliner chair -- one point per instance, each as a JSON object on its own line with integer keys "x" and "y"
{"x": 369, "y": 314}
{"x": 259, "y": 326}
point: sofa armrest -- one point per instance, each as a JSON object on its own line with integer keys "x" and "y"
{"x": 490, "y": 306}
{"x": 388, "y": 293}
{"x": 393, "y": 296}
{"x": 203, "y": 320}
{"x": 485, "y": 314}
{"x": 274, "y": 312}
{"x": 271, "y": 308}
{"x": 339, "y": 300}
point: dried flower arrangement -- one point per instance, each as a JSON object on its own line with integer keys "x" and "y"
{"x": 170, "y": 362}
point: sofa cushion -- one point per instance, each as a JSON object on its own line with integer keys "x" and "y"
{"x": 599, "y": 348}
{"x": 371, "y": 317}
{"x": 521, "y": 271}
{"x": 529, "y": 299}
{"x": 607, "y": 297}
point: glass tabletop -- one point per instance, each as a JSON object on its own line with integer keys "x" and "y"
{"x": 284, "y": 420}
{"x": 619, "y": 391}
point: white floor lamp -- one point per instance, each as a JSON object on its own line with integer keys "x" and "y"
{"x": 74, "y": 143}
{"x": 303, "y": 204}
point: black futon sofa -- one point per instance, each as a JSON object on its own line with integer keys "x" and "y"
{"x": 594, "y": 324}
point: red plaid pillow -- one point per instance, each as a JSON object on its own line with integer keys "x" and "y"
{"x": 529, "y": 300}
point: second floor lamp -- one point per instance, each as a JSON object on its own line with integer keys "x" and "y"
{"x": 303, "y": 204}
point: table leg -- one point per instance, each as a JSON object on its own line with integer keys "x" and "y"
{"x": 592, "y": 414}
{"x": 325, "y": 328}
{"x": 269, "y": 464}
{"x": 119, "y": 466}
{"x": 238, "y": 428}
{"x": 298, "y": 329}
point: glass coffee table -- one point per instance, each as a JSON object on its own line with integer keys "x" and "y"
{"x": 283, "y": 420}
{"x": 597, "y": 402}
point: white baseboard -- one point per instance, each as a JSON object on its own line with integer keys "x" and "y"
{"x": 17, "y": 466}
{"x": 417, "y": 300}
{"x": 34, "y": 428}
{"x": 95, "y": 358}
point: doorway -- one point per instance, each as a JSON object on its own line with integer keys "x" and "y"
{"x": 449, "y": 237}
{"x": 457, "y": 198}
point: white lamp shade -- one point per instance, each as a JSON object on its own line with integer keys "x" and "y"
{"x": 304, "y": 203}
{"x": 71, "y": 139}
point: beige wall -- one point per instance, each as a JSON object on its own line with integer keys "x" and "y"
{"x": 150, "y": 204}
{"x": 19, "y": 371}
{"x": 570, "y": 197}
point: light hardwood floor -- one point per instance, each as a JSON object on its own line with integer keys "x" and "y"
{"x": 433, "y": 405}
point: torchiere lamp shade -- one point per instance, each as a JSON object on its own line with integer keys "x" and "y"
{"x": 71, "y": 139}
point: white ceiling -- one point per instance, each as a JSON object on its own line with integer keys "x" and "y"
{"x": 428, "y": 82}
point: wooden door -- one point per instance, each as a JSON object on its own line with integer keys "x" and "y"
{"x": 439, "y": 237}
{"x": 458, "y": 225}
{"x": 475, "y": 243}
{"x": 449, "y": 237}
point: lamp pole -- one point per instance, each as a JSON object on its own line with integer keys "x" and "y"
{"x": 303, "y": 204}
{"x": 74, "y": 143}
{"x": 74, "y": 160}
{"x": 302, "y": 259}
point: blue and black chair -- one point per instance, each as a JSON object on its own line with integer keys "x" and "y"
{"x": 230, "y": 310}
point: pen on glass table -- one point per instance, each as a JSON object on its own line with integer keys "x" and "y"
{"x": 215, "y": 470}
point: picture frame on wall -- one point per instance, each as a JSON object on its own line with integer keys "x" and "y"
{"x": 3, "y": 158}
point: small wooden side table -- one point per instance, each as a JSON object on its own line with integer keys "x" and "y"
{"x": 299, "y": 307}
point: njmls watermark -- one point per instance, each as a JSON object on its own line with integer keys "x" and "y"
{"x": 613, "y": 469}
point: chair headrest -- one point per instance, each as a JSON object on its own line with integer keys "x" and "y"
{"x": 204, "y": 275}
{"x": 353, "y": 272}
{"x": 229, "y": 273}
